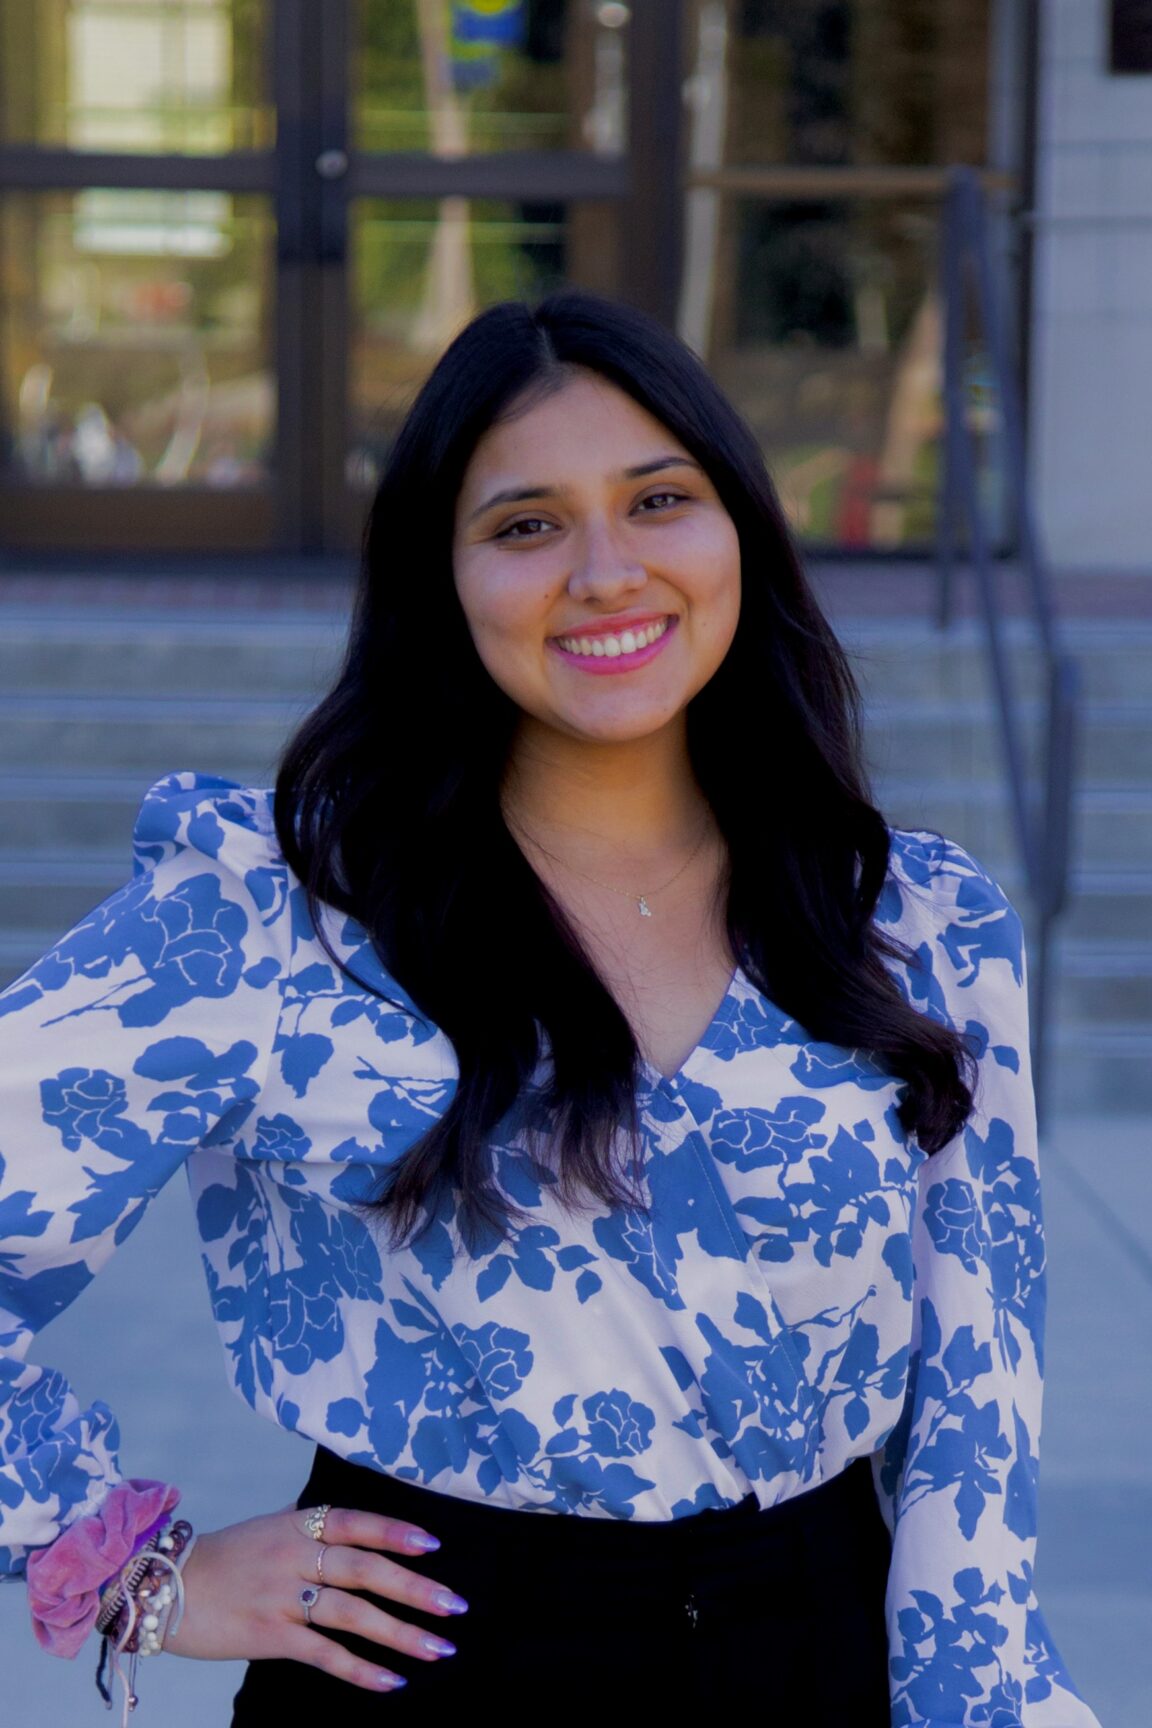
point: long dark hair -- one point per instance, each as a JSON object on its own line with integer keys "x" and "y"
{"x": 387, "y": 801}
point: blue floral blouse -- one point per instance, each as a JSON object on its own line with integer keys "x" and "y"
{"x": 804, "y": 1288}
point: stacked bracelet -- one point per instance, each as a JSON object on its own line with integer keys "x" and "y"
{"x": 141, "y": 1605}
{"x": 147, "y": 1588}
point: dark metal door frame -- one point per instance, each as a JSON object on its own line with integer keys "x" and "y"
{"x": 646, "y": 182}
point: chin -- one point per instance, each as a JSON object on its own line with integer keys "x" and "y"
{"x": 620, "y": 729}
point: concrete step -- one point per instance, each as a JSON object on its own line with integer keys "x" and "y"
{"x": 911, "y": 660}
{"x": 1109, "y": 906}
{"x": 1104, "y": 1073}
{"x": 1111, "y": 825}
{"x": 240, "y": 737}
{"x": 69, "y": 812}
{"x": 954, "y": 740}
{"x": 1113, "y": 906}
{"x": 54, "y": 892}
{"x": 1101, "y": 983}
{"x": 126, "y": 654}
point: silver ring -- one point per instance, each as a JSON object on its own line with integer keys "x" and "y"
{"x": 309, "y": 1597}
{"x": 314, "y": 1523}
{"x": 320, "y": 1553}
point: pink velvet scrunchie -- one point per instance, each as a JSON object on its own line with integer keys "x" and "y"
{"x": 66, "y": 1578}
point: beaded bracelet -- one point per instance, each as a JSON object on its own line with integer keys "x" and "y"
{"x": 140, "y": 1605}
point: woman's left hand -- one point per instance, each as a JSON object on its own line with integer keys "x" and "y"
{"x": 243, "y": 1594}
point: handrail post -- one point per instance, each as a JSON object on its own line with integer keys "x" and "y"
{"x": 1063, "y": 714}
{"x": 1011, "y": 410}
{"x": 1040, "y": 972}
{"x": 948, "y": 510}
{"x": 1043, "y": 836}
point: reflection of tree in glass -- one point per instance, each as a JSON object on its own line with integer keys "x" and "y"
{"x": 517, "y": 250}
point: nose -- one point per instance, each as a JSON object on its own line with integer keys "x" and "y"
{"x": 604, "y": 570}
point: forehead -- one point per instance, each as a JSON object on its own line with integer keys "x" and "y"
{"x": 587, "y": 423}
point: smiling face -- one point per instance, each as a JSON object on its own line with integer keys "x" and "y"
{"x": 598, "y": 571}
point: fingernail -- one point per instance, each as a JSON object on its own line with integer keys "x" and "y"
{"x": 450, "y": 1602}
{"x": 438, "y": 1646}
{"x": 392, "y": 1682}
{"x": 420, "y": 1539}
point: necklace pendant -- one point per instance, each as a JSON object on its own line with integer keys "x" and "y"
{"x": 645, "y": 909}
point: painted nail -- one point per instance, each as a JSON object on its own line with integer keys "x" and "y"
{"x": 438, "y": 1646}
{"x": 392, "y": 1682}
{"x": 450, "y": 1602}
{"x": 420, "y": 1539}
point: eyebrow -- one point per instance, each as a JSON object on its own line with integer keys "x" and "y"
{"x": 520, "y": 494}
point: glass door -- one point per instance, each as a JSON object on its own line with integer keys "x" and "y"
{"x": 138, "y": 310}
{"x": 818, "y": 139}
{"x": 235, "y": 234}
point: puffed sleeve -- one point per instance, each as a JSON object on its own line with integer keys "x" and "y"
{"x": 144, "y": 1033}
{"x": 968, "y": 1644}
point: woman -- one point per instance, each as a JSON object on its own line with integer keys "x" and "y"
{"x": 591, "y": 1109}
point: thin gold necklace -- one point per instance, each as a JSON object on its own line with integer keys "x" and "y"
{"x": 628, "y": 893}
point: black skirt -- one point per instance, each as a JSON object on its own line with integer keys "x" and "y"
{"x": 779, "y": 1609}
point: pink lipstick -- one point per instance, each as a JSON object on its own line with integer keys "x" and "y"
{"x": 622, "y": 646}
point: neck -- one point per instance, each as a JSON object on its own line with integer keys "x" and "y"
{"x": 639, "y": 797}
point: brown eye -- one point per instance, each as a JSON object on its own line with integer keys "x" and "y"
{"x": 670, "y": 497}
{"x": 512, "y": 530}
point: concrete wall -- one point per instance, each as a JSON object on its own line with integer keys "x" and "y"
{"x": 1092, "y": 334}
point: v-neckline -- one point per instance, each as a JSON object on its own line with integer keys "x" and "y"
{"x": 657, "y": 1077}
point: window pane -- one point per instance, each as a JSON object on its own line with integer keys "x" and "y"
{"x": 829, "y": 345}
{"x": 422, "y": 269}
{"x": 480, "y": 75}
{"x": 135, "y": 339}
{"x": 838, "y": 82}
{"x": 176, "y": 76}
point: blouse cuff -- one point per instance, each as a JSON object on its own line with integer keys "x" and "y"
{"x": 66, "y": 1578}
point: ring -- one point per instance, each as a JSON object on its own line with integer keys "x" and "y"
{"x": 309, "y": 1597}
{"x": 314, "y": 1523}
{"x": 320, "y": 1553}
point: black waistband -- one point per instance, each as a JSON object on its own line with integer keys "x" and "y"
{"x": 820, "y": 1517}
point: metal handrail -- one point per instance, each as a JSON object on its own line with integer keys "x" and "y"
{"x": 1042, "y": 815}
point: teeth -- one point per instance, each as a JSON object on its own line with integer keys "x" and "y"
{"x": 611, "y": 647}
